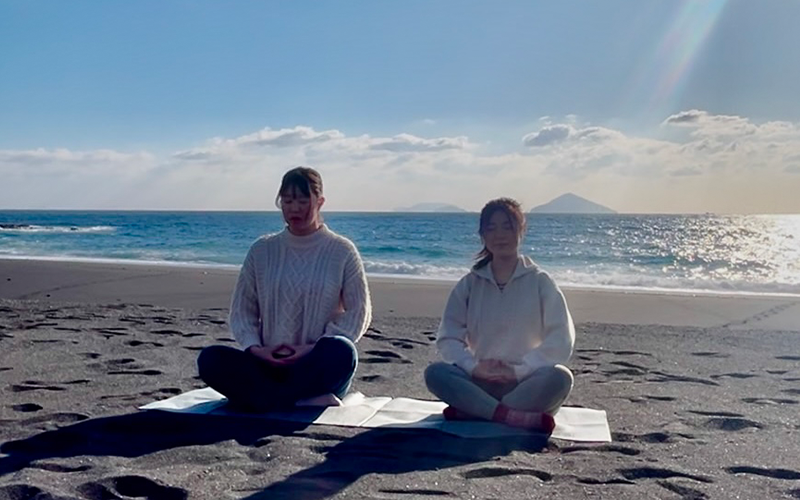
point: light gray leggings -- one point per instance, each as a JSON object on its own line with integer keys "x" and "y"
{"x": 544, "y": 390}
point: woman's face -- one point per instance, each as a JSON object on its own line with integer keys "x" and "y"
{"x": 500, "y": 237}
{"x": 301, "y": 212}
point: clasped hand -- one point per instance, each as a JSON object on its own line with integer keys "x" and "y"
{"x": 494, "y": 370}
{"x": 282, "y": 355}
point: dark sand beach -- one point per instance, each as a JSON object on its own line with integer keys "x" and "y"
{"x": 702, "y": 395}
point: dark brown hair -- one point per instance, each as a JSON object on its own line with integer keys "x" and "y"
{"x": 513, "y": 211}
{"x": 306, "y": 180}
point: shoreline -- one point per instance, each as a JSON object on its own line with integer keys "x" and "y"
{"x": 202, "y": 287}
{"x": 413, "y": 279}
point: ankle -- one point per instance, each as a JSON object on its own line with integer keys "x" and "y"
{"x": 533, "y": 420}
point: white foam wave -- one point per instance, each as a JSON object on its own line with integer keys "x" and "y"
{"x": 120, "y": 261}
{"x": 414, "y": 270}
{"x": 671, "y": 284}
{"x": 37, "y": 229}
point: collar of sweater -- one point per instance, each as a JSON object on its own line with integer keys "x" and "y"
{"x": 307, "y": 241}
{"x": 524, "y": 266}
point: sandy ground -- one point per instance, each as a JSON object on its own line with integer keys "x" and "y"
{"x": 702, "y": 395}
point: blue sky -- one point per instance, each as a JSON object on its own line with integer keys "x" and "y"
{"x": 120, "y": 96}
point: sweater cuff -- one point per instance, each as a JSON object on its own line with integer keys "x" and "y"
{"x": 467, "y": 364}
{"x": 522, "y": 371}
{"x": 248, "y": 343}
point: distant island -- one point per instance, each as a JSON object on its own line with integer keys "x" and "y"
{"x": 570, "y": 203}
{"x": 430, "y": 207}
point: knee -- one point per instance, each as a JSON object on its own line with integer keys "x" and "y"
{"x": 209, "y": 359}
{"x": 564, "y": 378}
{"x": 435, "y": 373}
{"x": 338, "y": 346}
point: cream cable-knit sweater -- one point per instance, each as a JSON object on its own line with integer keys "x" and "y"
{"x": 526, "y": 324}
{"x": 296, "y": 289}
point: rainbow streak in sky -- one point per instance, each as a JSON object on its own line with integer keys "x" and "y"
{"x": 667, "y": 71}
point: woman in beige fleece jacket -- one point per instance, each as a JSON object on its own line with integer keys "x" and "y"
{"x": 505, "y": 333}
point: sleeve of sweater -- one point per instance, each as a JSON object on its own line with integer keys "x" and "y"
{"x": 452, "y": 336}
{"x": 355, "y": 300}
{"x": 245, "y": 314}
{"x": 558, "y": 331}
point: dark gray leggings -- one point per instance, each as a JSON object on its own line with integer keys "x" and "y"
{"x": 254, "y": 384}
{"x": 544, "y": 390}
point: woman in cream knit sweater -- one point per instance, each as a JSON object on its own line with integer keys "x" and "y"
{"x": 505, "y": 333}
{"x": 300, "y": 304}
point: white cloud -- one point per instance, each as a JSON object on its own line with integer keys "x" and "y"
{"x": 364, "y": 172}
{"x": 35, "y": 157}
{"x": 406, "y": 143}
{"x": 549, "y": 135}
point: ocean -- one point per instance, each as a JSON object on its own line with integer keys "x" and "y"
{"x": 750, "y": 254}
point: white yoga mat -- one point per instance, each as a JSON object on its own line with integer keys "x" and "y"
{"x": 572, "y": 424}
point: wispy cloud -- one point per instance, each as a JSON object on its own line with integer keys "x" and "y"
{"x": 364, "y": 172}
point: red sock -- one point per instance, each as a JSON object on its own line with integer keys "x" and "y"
{"x": 453, "y": 413}
{"x": 533, "y": 420}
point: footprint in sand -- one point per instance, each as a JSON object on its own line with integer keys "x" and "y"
{"x": 176, "y": 333}
{"x": 35, "y": 326}
{"x": 115, "y": 331}
{"x": 137, "y": 343}
{"x": 50, "y": 467}
{"x": 734, "y": 375}
{"x": 135, "y": 372}
{"x": 162, "y": 320}
{"x": 632, "y": 353}
{"x": 35, "y": 385}
{"x": 424, "y": 492}
{"x": 710, "y": 354}
{"x": 669, "y": 377}
{"x": 602, "y": 482}
{"x": 661, "y": 398}
{"x": 653, "y": 437}
{"x": 612, "y": 448}
{"x": 731, "y": 424}
{"x": 167, "y": 332}
{"x": 491, "y": 472}
{"x": 685, "y": 492}
{"x": 133, "y": 320}
{"x": 657, "y": 473}
{"x": 131, "y": 486}
{"x": 770, "y": 401}
{"x": 378, "y": 356}
{"x": 792, "y": 475}
{"x": 716, "y": 413}
{"x": 26, "y": 407}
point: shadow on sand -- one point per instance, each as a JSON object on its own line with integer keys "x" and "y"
{"x": 382, "y": 451}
